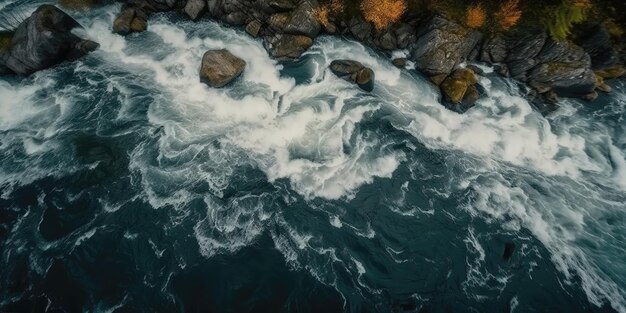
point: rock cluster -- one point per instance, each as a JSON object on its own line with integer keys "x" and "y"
{"x": 42, "y": 40}
{"x": 354, "y": 72}
{"x": 437, "y": 46}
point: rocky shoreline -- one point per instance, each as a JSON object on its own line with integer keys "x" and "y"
{"x": 438, "y": 47}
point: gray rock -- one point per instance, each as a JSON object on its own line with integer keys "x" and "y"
{"x": 565, "y": 67}
{"x": 354, "y": 72}
{"x": 238, "y": 18}
{"x": 220, "y": 67}
{"x": 525, "y": 45}
{"x": 599, "y": 47}
{"x": 405, "y": 35}
{"x": 442, "y": 45}
{"x": 195, "y": 8}
{"x": 302, "y": 20}
{"x": 286, "y": 47}
{"x": 494, "y": 50}
{"x": 387, "y": 41}
{"x": 282, "y": 5}
{"x": 360, "y": 29}
{"x": 42, "y": 40}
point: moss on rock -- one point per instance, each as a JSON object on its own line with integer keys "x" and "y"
{"x": 5, "y": 39}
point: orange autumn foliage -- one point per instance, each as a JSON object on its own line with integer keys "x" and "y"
{"x": 331, "y": 9}
{"x": 476, "y": 16}
{"x": 383, "y": 13}
{"x": 509, "y": 14}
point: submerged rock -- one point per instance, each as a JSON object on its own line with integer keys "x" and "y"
{"x": 42, "y": 40}
{"x": 220, "y": 67}
{"x": 354, "y": 72}
{"x": 509, "y": 248}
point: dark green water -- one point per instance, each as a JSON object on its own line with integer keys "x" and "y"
{"x": 128, "y": 186}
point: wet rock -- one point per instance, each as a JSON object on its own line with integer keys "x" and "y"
{"x": 195, "y": 8}
{"x": 524, "y": 45}
{"x": 509, "y": 248}
{"x": 354, "y": 72}
{"x": 282, "y": 5}
{"x": 399, "y": 62}
{"x": 611, "y": 72}
{"x": 238, "y": 18}
{"x": 42, "y": 40}
{"x": 477, "y": 70}
{"x": 592, "y": 96}
{"x": 455, "y": 87}
{"x": 220, "y": 67}
{"x": 287, "y": 47}
{"x": 253, "y": 28}
{"x": 130, "y": 20}
{"x": 601, "y": 85}
{"x": 442, "y": 45}
{"x": 438, "y": 79}
{"x": 565, "y": 67}
{"x": 300, "y": 21}
{"x": 360, "y": 29}
{"x": 386, "y": 41}
{"x": 494, "y": 50}
{"x": 405, "y": 35}
{"x": 598, "y": 45}
{"x": 540, "y": 87}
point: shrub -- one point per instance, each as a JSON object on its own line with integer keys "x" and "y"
{"x": 383, "y": 13}
{"x": 475, "y": 16}
{"x": 508, "y": 14}
{"x": 324, "y": 13}
{"x": 559, "y": 20}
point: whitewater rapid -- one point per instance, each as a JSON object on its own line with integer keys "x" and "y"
{"x": 562, "y": 177}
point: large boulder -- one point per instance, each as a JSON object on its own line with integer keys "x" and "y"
{"x": 598, "y": 45}
{"x": 354, "y": 72}
{"x": 220, "y": 67}
{"x": 42, "y": 40}
{"x": 460, "y": 90}
{"x": 442, "y": 45}
{"x": 284, "y": 47}
{"x": 565, "y": 67}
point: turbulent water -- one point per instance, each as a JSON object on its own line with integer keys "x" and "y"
{"x": 126, "y": 185}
